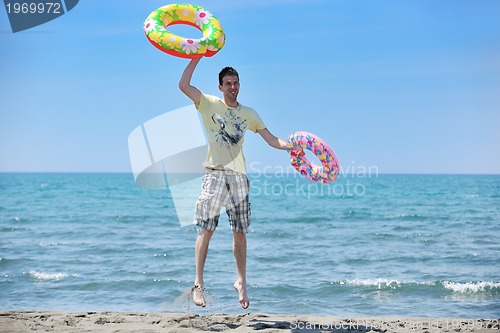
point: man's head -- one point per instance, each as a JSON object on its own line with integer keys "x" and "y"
{"x": 230, "y": 71}
{"x": 229, "y": 84}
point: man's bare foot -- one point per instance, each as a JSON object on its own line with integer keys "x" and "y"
{"x": 199, "y": 295}
{"x": 241, "y": 288}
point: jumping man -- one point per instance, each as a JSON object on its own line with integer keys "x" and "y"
{"x": 225, "y": 183}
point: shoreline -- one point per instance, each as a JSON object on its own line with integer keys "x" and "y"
{"x": 107, "y": 322}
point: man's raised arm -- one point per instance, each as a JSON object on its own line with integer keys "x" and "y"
{"x": 185, "y": 82}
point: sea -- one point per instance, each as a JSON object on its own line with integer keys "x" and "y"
{"x": 367, "y": 244}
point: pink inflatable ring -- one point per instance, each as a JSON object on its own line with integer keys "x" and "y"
{"x": 329, "y": 169}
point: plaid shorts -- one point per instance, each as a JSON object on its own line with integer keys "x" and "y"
{"x": 223, "y": 188}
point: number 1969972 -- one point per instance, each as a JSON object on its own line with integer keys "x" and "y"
{"x": 33, "y": 8}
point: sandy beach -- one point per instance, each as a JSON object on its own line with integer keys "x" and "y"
{"x": 107, "y": 322}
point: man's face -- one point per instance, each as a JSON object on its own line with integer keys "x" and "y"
{"x": 230, "y": 87}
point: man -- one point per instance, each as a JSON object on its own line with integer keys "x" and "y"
{"x": 225, "y": 183}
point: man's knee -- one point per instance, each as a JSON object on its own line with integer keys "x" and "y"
{"x": 206, "y": 233}
{"x": 239, "y": 236}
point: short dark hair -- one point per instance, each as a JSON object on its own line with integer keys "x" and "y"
{"x": 227, "y": 71}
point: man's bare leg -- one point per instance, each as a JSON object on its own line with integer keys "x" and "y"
{"x": 201, "y": 251}
{"x": 240, "y": 254}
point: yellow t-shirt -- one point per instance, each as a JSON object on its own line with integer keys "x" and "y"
{"x": 225, "y": 127}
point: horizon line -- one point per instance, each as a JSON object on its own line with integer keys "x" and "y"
{"x": 264, "y": 173}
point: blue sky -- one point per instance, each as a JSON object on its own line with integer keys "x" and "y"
{"x": 404, "y": 86}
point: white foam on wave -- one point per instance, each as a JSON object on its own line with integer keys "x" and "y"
{"x": 379, "y": 283}
{"x": 49, "y": 276}
{"x": 45, "y": 244}
{"x": 470, "y": 287}
{"x": 457, "y": 287}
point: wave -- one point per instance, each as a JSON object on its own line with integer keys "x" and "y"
{"x": 4, "y": 262}
{"x": 405, "y": 217}
{"x": 49, "y": 276}
{"x": 471, "y": 287}
{"x": 378, "y": 283}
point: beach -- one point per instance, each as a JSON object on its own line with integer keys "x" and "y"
{"x": 107, "y": 322}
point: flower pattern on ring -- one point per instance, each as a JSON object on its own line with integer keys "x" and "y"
{"x": 165, "y": 19}
{"x": 190, "y": 45}
{"x": 187, "y": 15}
{"x": 156, "y": 36}
{"x": 149, "y": 25}
{"x": 202, "y": 17}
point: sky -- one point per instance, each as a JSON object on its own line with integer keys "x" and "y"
{"x": 396, "y": 86}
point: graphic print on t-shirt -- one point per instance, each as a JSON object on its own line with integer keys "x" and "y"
{"x": 230, "y": 128}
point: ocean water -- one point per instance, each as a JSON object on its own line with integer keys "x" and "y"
{"x": 365, "y": 245}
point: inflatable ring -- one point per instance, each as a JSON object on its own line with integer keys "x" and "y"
{"x": 213, "y": 35}
{"x": 299, "y": 141}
